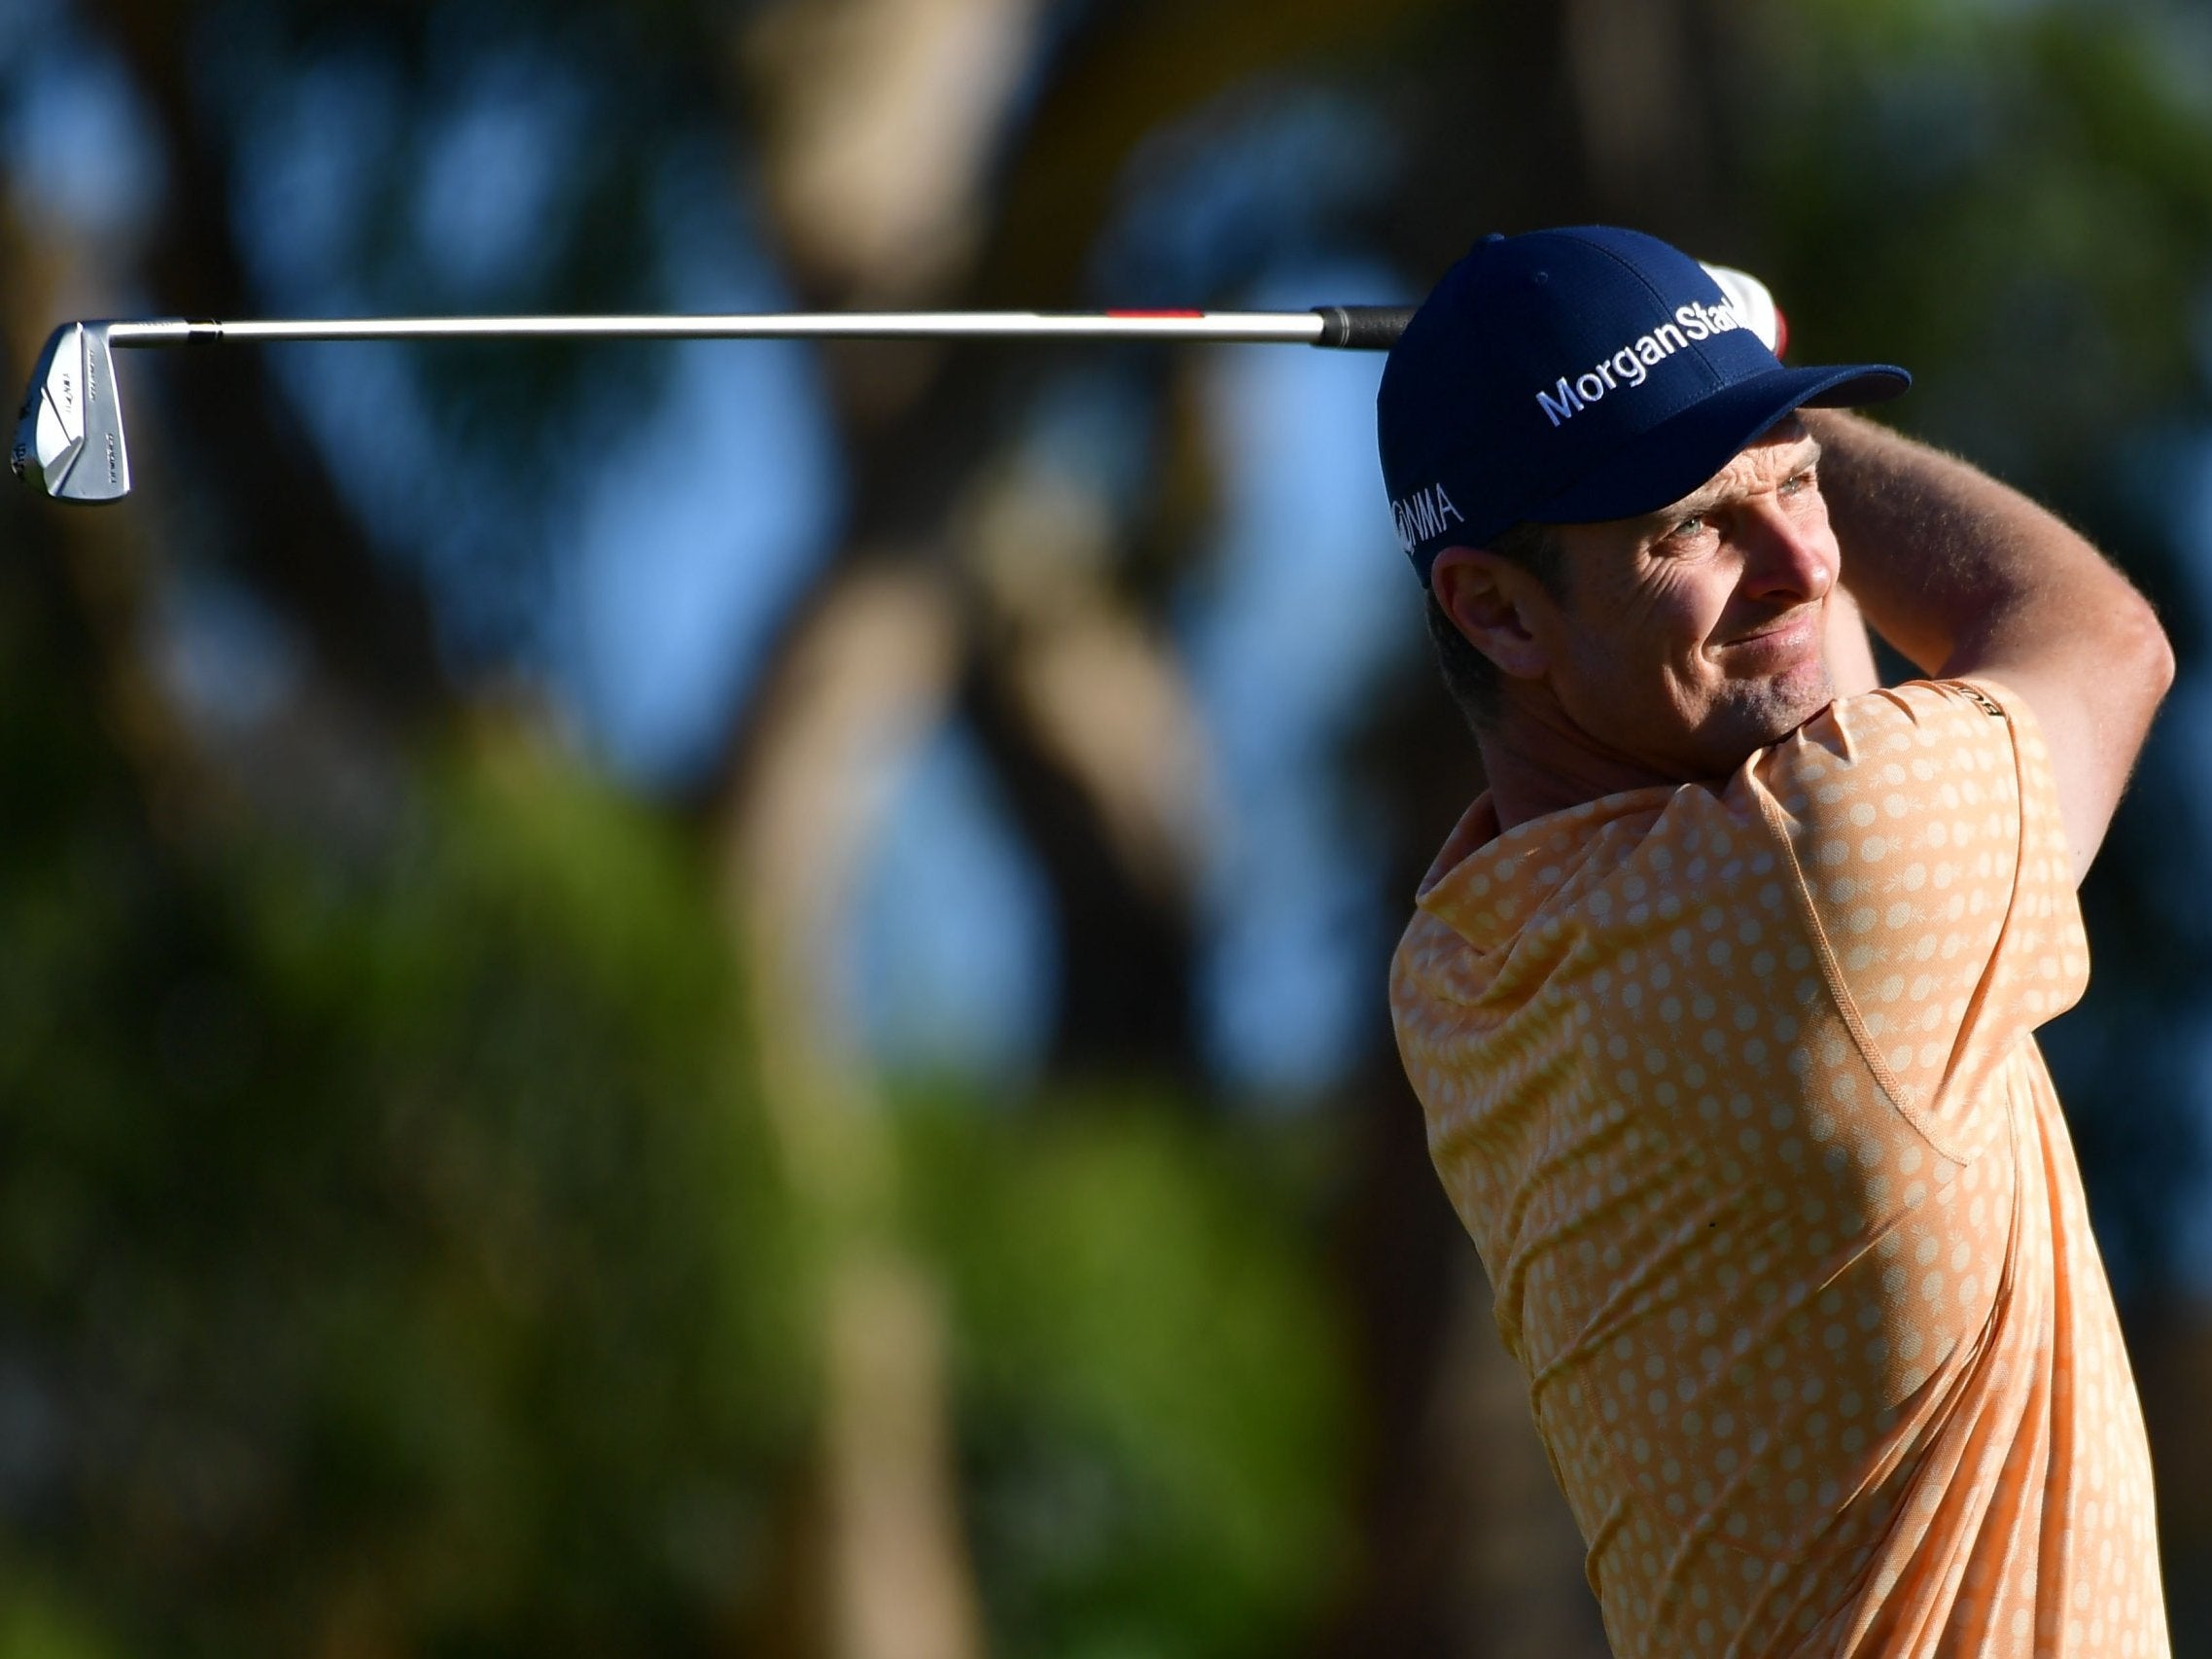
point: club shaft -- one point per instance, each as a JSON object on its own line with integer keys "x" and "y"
{"x": 69, "y": 438}
{"x": 1253, "y": 327}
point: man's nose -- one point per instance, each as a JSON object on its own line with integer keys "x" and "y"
{"x": 1786, "y": 559}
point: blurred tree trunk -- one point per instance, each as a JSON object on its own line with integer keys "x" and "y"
{"x": 876, "y": 178}
{"x": 888, "y": 1574}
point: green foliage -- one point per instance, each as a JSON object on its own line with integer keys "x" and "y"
{"x": 1151, "y": 1406}
{"x": 34, "y": 1624}
{"x": 393, "y": 1255}
{"x": 389, "y": 1242}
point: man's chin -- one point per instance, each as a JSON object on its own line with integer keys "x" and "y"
{"x": 1767, "y": 713}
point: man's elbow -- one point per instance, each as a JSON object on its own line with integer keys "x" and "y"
{"x": 2163, "y": 663}
{"x": 2143, "y": 652}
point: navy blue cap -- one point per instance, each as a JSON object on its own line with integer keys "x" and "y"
{"x": 1566, "y": 377}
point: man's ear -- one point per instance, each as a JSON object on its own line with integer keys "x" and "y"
{"x": 1498, "y": 605}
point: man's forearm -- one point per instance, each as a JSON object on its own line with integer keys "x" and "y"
{"x": 1965, "y": 576}
{"x": 1947, "y": 562}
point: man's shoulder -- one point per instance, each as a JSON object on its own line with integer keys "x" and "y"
{"x": 1922, "y": 766}
{"x": 1935, "y": 720}
{"x": 1604, "y": 877}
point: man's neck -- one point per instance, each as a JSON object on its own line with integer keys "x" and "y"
{"x": 1539, "y": 762}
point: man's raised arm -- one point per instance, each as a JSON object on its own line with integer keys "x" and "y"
{"x": 1967, "y": 577}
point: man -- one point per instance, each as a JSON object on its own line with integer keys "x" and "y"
{"x": 1719, "y": 1000}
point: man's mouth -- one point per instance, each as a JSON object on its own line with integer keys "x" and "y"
{"x": 1791, "y": 622}
{"x": 1785, "y": 636}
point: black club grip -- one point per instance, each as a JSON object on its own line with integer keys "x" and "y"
{"x": 1362, "y": 328}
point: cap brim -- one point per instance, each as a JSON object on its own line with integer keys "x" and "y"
{"x": 1680, "y": 453}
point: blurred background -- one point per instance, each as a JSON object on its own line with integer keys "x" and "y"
{"x": 728, "y": 999}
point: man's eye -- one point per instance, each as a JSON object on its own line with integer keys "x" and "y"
{"x": 1803, "y": 481}
{"x": 1685, "y": 528}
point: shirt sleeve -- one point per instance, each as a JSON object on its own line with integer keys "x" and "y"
{"x": 1934, "y": 878}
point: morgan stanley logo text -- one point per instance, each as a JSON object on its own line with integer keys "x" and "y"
{"x": 1634, "y": 362}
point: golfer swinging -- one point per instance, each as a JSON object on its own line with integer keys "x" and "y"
{"x": 1720, "y": 1001}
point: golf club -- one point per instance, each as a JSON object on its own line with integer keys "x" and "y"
{"x": 70, "y": 444}
{"x": 69, "y": 438}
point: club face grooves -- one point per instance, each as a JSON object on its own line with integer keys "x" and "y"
{"x": 46, "y": 428}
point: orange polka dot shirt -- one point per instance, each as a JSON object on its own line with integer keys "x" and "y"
{"x": 1735, "y": 1089}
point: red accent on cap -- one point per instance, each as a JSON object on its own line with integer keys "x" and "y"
{"x": 1782, "y": 331}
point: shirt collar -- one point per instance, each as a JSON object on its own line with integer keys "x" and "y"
{"x": 1485, "y": 883}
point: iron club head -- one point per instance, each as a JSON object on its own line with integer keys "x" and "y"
{"x": 69, "y": 437}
